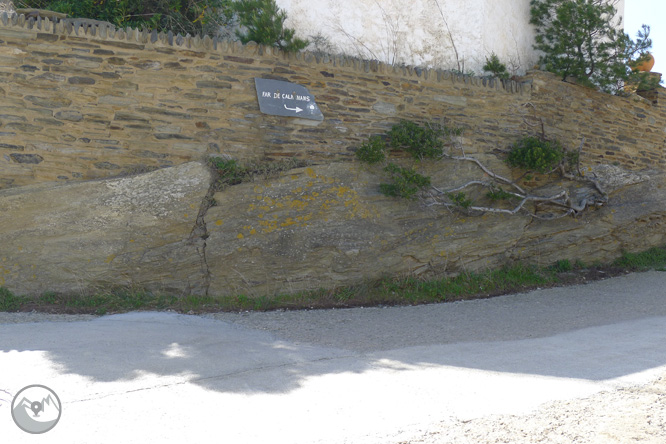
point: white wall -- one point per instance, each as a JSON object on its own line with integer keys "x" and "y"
{"x": 415, "y": 32}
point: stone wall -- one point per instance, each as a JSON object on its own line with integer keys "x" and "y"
{"x": 85, "y": 102}
{"x": 79, "y": 106}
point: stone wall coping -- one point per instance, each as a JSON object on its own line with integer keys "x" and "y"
{"x": 149, "y": 39}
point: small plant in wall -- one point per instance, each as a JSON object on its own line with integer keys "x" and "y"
{"x": 372, "y": 151}
{"x": 435, "y": 143}
{"x": 406, "y": 182}
{"x": 495, "y": 67}
{"x": 420, "y": 142}
{"x": 229, "y": 172}
{"x": 536, "y": 154}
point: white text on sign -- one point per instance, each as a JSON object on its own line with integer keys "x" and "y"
{"x": 282, "y": 96}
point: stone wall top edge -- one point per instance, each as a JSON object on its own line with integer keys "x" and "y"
{"x": 103, "y": 31}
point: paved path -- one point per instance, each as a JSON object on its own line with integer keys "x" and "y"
{"x": 376, "y": 375}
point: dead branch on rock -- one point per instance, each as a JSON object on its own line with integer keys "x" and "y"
{"x": 486, "y": 170}
{"x": 562, "y": 203}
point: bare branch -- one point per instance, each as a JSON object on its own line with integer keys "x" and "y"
{"x": 554, "y": 200}
{"x": 488, "y": 172}
{"x": 453, "y": 43}
{"x": 468, "y": 184}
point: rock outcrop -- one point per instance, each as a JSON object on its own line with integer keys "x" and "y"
{"x": 314, "y": 227}
{"x": 328, "y": 225}
{"x": 86, "y": 236}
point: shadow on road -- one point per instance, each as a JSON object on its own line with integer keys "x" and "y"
{"x": 595, "y": 332}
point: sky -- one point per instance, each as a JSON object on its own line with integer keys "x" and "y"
{"x": 653, "y": 14}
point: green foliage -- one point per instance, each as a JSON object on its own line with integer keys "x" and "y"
{"x": 562, "y": 266}
{"x": 392, "y": 291}
{"x": 534, "y": 154}
{"x": 497, "y": 68}
{"x": 263, "y": 23}
{"x": 406, "y": 182}
{"x": 583, "y": 39}
{"x": 460, "y": 199}
{"x": 192, "y": 17}
{"x": 419, "y": 141}
{"x": 372, "y": 151}
{"x": 580, "y": 265}
{"x": 497, "y": 193}
{"x": 230, "y": 172}
{"x": 652, "y": 258}
{"x": 9, "y": 301}
{"x": 643, "y": 81}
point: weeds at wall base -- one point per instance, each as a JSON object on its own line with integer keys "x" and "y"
{"x": 389, "y": 291}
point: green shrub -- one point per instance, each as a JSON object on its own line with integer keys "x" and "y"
{"x": 497, "y": 68}
{"x": 185, "y": 17}
{"x": 420, "y": 142}
{"x": 497, "y": 193}
{"x": 263, "y": 23}
{"x": 406, "y": 182}
{"x": 534, "y": 154}
{"x": 372, "y": 151}
{"x": 460, "y": 199}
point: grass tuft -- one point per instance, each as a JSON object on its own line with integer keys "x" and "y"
{"x": 386, "y": 291}
{"x": 654, "y": 258}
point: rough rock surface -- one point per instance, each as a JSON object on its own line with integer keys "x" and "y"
{"x": 329, "y": 225}
{"x": 125, "y": 231}
{"x": 314, "y": 227}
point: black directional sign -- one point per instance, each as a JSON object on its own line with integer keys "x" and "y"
{"x": 280, "y": 98}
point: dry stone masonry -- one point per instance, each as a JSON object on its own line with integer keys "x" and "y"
{"x": 140, "y": 113}
{"x": 83, "y": 101}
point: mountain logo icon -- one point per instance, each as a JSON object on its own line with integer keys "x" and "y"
{"x": 36, "y": 409}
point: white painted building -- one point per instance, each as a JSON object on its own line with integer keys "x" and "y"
{"x": 447, "y": 34}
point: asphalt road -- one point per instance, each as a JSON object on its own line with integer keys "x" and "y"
{"x": 373, "y": 375}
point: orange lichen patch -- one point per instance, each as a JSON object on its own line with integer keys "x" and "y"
{"x": 298, "y": 205}
{"x": 268, "y": 226}
{"x": 287, "y": 223}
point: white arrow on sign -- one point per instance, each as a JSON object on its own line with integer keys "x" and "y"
{"x": 297, "y": 109}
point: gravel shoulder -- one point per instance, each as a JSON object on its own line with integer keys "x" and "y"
{"x": 631, "y": 414}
